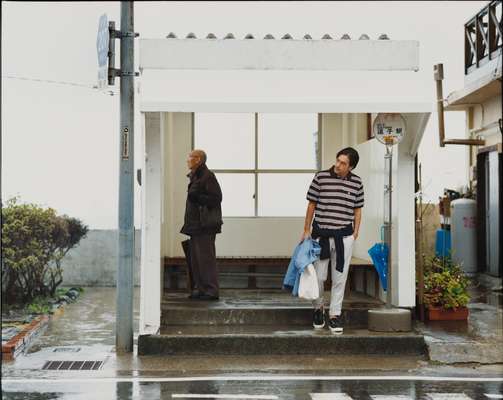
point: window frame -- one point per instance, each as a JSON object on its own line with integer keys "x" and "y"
{"x": 256, "y": 171}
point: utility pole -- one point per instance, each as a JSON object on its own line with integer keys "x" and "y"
{"x": 105, "y": 45}
{"x": 124, "y": 315}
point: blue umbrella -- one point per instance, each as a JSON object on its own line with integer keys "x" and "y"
{"x": 379, "y": 254}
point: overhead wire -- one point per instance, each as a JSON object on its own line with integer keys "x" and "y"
{"x": 54, "y": 82}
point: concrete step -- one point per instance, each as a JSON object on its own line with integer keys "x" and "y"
{"x": 355, "y": 318}
{"x": 257, "y": 308}
{"x": 277, "y": 340}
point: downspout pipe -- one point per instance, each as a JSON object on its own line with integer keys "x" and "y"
{"x": 438, "y": 74}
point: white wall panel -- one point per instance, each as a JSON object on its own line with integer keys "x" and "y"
{"x": 312, "y": 55}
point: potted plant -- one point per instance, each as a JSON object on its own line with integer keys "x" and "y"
{"x": 445, "y": 290}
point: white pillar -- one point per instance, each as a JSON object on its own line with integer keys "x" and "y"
{"x": 404, "y": 259}
{"x": 150, "y": 301}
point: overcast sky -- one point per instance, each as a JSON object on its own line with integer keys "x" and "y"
{"x": 60, "y": 142}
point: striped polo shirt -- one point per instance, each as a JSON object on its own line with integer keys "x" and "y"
{"x": 336, "y": 198}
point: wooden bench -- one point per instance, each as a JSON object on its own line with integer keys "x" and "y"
{"x": 176, "y": 266}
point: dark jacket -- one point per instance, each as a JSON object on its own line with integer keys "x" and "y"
{"x": 203, "y": 190}
{"x": 338, "y": 235}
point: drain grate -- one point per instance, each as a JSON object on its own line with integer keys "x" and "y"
{"x": 66, "y": 350}
{"x": 73, "y": 365}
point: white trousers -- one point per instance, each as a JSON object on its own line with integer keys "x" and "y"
{"x": 338, "y": 278}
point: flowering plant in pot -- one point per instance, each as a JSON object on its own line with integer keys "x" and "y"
{"x": 445, "y": 289}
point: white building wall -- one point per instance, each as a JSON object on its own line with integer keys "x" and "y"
{"x": 484, "y": 119}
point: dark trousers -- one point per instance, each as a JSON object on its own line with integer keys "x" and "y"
{"x": 204, "y": 264}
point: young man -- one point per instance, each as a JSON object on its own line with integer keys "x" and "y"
{"x": 336, "y": 200}
{"x": 203, "y": 193}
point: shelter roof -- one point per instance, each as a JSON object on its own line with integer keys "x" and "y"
{"x": 372, "y": 75}
{"x": 306, "y": 54}
{"x": 269, "y": 36}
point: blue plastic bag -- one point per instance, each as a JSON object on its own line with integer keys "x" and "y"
{"x": 379, "y": 255}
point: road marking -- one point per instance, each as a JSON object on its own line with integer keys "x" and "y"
{"x": 390, "y": 397}
{"x": 330, "y": 396}
{"x": 224, "y": 396}
{"x": 254, "y": 378}
{"x": 448, "y": 396}
{"x": 493, "y": 396}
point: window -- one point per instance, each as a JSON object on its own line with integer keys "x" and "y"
{"x": 287, "y": 141}
{"x": 283, "y": 194}
{"x": 264, "y": 162}
{"x": 228, "y": 139}
{"x": 238, "y": 194}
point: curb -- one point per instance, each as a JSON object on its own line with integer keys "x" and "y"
{"x": 264, "y": 344}
{"x": 19, "y": 342}
{"x": 23, "y": 339}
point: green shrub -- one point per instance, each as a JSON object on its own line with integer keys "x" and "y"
{"x": 38, "y": 306}
{"x": 34, "y": 241}
{"x": 445, "y": 284}
{"x": 61, "y": 292}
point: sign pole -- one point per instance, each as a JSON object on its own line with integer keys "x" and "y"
{"x": 387, "y": 222}
{"x": 124, "y": 316}
{"x": 389, "y": 129}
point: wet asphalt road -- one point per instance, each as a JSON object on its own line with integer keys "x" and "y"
{"x": 88, "y": 324}
{"x": 277, "y": 388}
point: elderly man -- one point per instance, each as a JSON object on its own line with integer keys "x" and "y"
{"x": 203, "y": 220}
{"x": 335, "y": 199}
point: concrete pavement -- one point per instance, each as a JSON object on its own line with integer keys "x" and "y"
{"x": 478, "y": 340}
{"x": 85, "y": 332}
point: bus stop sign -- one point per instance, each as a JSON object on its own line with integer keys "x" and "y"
{"x": 102, "y": 42}
{"x": 389, "y": 128}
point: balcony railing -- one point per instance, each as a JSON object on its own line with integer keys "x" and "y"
{"x": 484, "y": 36}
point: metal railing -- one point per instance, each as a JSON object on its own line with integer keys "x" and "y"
{"x": 484, "y": 36}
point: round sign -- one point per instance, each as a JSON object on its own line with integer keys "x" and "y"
{"x": 389, "y": 128}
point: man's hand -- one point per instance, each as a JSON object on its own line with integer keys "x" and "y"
{"x": 307, "y": 223}
{"x": 305, "y": 235}
{"x": 358, "y": 218}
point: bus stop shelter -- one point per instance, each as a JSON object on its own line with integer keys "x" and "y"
{"x": 344, "y": 119}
